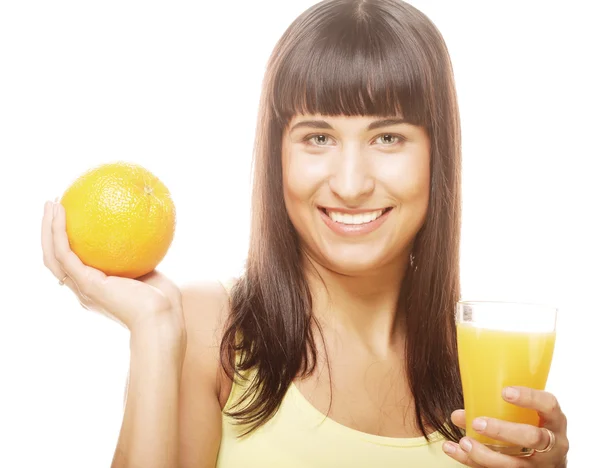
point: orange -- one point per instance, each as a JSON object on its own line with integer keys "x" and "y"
{"x": 120, "y": 219}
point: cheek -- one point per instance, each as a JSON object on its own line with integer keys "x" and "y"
{"x": 408, "y": 179}
{"x": 303, "y": 175}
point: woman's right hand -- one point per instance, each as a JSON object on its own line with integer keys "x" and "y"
{"x": 150, "y": 301}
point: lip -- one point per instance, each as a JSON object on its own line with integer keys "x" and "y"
{"x": 354, "y": 229}
{"x": 352, "y": 211}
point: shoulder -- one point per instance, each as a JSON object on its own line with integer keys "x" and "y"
{"x": 203, "y": 383}
{"x": 206, "y": 311}
{"x": 205, "y": 303}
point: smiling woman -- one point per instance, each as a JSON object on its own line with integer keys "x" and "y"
{"x": 337, "y": 344}
{"x": 357, "y": 172}
{"x": 370, "y": 177}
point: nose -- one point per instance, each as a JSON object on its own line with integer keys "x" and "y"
{"x": 351, "y": 180}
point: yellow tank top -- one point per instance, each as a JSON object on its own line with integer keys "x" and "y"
{"x": 300, "y": 436}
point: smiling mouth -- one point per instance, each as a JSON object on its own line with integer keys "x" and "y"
{"x": 355, "y": 219}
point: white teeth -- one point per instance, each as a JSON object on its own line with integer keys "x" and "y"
{"x": 363, "y": 218}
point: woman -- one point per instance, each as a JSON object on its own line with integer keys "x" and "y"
{"x": 337, "y": 345}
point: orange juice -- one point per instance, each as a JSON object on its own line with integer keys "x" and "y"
{"x": 493, "y": 359}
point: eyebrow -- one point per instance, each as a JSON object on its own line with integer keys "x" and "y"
{"x": 322, "y": 125}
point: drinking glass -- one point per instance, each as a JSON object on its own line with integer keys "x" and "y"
{"x": 503, "y": 344}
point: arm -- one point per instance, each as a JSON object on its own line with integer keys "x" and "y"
{"x": 151, "y": 308}
{"x": 174, "y": 396}
{"x": 204, "y": 386}
{"x": 149, "y": 432}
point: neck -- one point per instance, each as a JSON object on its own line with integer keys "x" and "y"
{"x": 364, "y": 307}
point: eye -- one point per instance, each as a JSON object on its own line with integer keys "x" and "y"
{"x": 318, "y": 140}
{"x": 389, "y": 139}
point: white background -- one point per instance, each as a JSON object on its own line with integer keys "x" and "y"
{"x": 174, "y": 86}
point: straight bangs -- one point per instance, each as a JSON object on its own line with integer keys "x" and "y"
{"x": 358, "y": 66}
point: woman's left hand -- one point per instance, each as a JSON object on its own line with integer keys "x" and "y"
{"x": 472, "y": 453}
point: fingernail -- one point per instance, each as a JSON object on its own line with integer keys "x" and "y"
{"x": 510, "y": 393}
{"x": 55, "y": 209}
{"x": 479, "y": 424}
{"x": 466, "y": 445}
{"x": 449, "y": 448}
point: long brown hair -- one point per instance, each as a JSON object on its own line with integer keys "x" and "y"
{"x": 351, "y": 57}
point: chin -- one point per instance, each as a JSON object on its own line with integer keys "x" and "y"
{"x": 355, "y": 260}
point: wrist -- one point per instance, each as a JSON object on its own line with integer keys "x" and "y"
{"x": 163, "y": 334}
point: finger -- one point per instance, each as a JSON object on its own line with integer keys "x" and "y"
{"x": 524, "y": 435}
{"x": 50, "y": 261}
{"x": 86, "y": 279}
{"x": 478, "y": 454}
{"x": 47, "y": 244}
{"x": 49, "y": 258}
{"x": 545, "y": 403}
{"x": 48, "y": 247}
{"x": 455, "y": 451}
{"x": 459, "y": 419}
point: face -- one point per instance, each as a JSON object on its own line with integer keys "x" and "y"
{"x": 355, "y": 188}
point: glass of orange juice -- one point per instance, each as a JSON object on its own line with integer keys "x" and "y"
{"x": 503, "y": 344}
